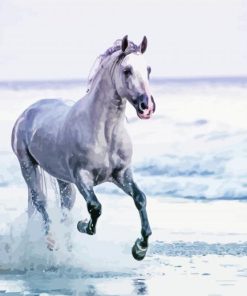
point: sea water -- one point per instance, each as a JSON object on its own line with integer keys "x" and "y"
{"x": 191, "y": 161}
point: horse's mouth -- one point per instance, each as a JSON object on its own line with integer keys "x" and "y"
{"x": 144, "y": 114}
{"x": 141, "y": 112}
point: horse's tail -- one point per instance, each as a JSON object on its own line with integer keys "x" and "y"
{"x": 43, "y": 182}
{"x": 55, "y": 188}
{"x": 46, "y": 182}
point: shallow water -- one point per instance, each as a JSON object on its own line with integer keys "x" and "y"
{"x": 192, "y": 243}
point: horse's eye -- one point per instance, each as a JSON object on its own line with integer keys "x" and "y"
{"x": 127, "y": 71}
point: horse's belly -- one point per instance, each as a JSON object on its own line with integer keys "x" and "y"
{"x": 47, "y": 154}
{"x": 53, "y": 166}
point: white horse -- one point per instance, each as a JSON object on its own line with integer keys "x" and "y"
{"x": 87, "y": 144}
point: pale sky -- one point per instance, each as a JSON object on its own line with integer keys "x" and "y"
{"x": 60, "y": 39}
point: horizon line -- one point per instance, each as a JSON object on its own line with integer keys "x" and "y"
{"x": 152, "y": 80}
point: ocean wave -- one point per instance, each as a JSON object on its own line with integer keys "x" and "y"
{"x": 190, "y": 177}
{"x": 173, "y": 166}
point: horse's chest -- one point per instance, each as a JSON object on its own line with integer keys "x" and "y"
{"x": 102, "y": 159}
{"x": 104, "y": 165}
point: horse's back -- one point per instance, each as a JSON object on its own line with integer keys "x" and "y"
{"x": 47, "y": 113}
{"x": 43, "y": 114}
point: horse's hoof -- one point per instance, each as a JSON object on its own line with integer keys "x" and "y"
{"x": 51, "y": 243}
{"x": 82, "y": 226}
{"x": 86, "y": 227}
{"x": 138, "y": 251}
{"x": 50, "y": 247}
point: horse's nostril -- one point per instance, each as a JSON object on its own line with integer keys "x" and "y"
{"x": 143, "y": 106}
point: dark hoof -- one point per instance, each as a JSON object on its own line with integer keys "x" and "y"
{"x": 86, "y": 227}
{"x": 138, "y": 251}
{"x": 82, "y": 226}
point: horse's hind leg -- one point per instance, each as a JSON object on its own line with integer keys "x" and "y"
{"x": 67, "y": 194}
{"x": 32, "y": 176}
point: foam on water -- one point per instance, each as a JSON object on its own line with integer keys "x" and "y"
{"x": 24, "y": 248}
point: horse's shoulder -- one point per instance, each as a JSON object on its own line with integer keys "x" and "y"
{"x": 123, "y": 148}
{"x": 123, "y": 138}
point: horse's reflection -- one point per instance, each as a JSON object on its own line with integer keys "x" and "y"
{"x": 140, "y": 287}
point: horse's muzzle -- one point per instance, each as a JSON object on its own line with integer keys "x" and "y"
{"x": 145, "y": 106}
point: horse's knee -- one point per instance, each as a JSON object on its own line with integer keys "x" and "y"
{"x": 94, "y": 208}
{"x": 140, "y": 200}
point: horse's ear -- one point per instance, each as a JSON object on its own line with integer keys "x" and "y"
{"x": 144, "y": 44}
{"x": 124, "y": 43}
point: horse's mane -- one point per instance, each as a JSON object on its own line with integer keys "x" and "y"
{"x": 132, "y": 47}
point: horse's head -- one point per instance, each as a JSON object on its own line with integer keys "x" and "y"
{"x": 132, "y": 78}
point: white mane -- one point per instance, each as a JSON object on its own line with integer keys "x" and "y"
{"x": 101, "y": 58}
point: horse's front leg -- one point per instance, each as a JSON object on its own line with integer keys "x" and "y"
{"x": 124, "y": 180}
{"x": 84, "y": 184}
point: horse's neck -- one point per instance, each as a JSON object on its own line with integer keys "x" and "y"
{"x": 104, "y": 107}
